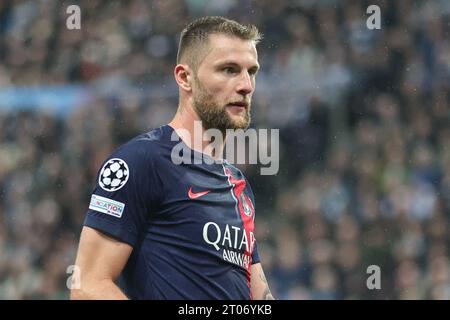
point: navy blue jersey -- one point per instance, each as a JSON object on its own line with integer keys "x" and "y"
{"x": 191, "y": 226}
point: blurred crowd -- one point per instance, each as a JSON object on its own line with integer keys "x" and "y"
{"x": 364, "y": 119}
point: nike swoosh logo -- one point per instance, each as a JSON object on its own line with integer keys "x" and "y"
{"x": 195, "y": 195}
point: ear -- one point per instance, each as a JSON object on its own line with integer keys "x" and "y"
{"x": 183, "y": 76}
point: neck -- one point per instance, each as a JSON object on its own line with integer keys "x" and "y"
{"x": 187, "y": 125}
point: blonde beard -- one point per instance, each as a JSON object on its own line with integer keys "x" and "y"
{"x": 214, "y": 116}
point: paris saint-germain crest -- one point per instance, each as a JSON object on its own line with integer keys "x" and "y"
{"x": 246, "y": 206}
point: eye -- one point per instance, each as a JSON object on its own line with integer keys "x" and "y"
{"x": 253, "y": 71}
{"x": 230, "y": 70}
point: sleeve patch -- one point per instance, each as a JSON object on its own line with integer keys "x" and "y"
{"x": 114, "y": 175}
{"x": 108, "y": 206}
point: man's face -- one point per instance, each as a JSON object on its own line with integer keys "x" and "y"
{"x": 224, "y": 83}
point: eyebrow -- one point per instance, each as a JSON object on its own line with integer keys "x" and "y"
{"x": 232, "y": 63}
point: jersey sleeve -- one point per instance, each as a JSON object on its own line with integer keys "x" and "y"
{"x": 124, "y": 194}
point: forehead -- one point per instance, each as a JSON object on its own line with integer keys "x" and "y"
{"x": 225, "y": 48}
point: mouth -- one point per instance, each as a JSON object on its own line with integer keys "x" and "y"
{"x": 238, "y": 105}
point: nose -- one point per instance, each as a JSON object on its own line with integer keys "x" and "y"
{"x": 245, "y": 85}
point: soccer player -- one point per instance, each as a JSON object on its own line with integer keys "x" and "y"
{"x": 160, "y": 230}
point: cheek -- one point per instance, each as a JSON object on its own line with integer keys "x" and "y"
{"x": 218, "y": 85}
{"x": 220, "y": 94}
{"x": 227, "y": 89}
{"x": 220, "y": 90}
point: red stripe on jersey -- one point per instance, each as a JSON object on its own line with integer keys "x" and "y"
{"x": 247, "y": 212}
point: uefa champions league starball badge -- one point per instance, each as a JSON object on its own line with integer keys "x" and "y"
{"x": 113, "y": 175}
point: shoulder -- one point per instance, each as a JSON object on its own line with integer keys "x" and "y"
{"x": 138, "y": 154}
{"x": 133, "y": 161}
{"x": 142, "y": 147}
{"x": 147, "y": 141}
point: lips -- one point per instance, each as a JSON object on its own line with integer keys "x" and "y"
{"x": 238, "y": 104}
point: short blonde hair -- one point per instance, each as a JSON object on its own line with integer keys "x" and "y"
{"x": 195, "y": 35}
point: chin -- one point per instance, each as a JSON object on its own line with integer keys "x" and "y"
{"x": 239, "y": 125}
{"x": 238, "y": 121}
